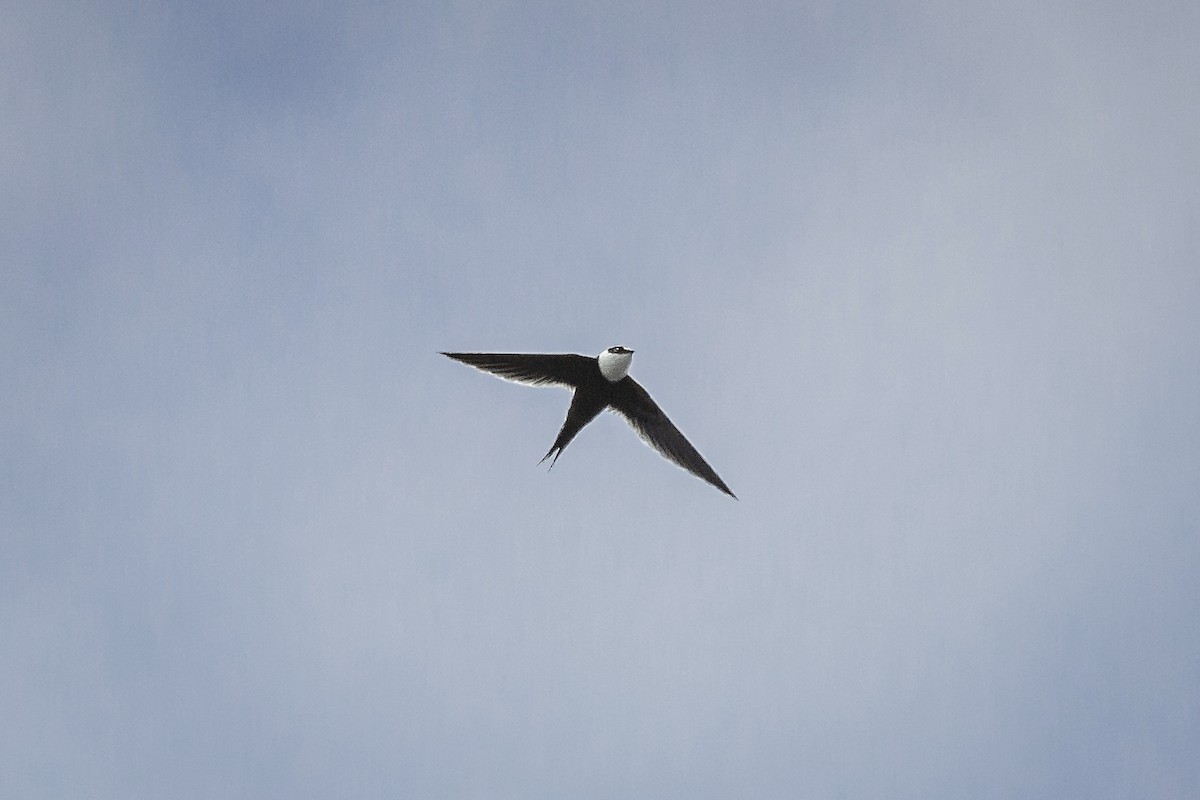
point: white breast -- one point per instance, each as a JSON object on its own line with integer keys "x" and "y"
{"x": 614, "y": 366}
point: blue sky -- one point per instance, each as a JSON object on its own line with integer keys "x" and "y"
{"x": 921, "y": 281}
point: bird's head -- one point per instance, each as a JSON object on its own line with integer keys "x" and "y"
{"x": 614, "y": 362}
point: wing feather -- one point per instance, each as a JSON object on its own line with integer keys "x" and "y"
{"x": 535, "y": 369}
{"x": 655, "y": 429}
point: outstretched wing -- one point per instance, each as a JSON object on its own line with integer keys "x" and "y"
{"x": 643, "y": 414}
{"x": 537, "y": 369}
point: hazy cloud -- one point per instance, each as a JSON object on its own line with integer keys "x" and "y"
{"x": 920, "y": 282}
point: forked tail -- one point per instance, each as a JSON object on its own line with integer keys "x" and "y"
{"x": 555, "y": 451}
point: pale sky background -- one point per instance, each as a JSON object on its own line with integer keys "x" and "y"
{"x": 921, "y": 281}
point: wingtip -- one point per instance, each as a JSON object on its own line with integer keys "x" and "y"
{"x": 716, "y": 482}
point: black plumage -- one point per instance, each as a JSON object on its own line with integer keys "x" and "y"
{"x": 593, "y": 394}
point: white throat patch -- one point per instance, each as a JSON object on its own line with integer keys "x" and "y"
{"x": 614, "y": 366}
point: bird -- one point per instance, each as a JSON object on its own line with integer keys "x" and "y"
{"x": 599, "y": 382}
